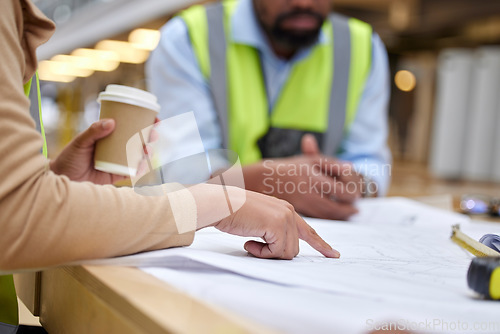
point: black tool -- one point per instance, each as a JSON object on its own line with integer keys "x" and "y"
{"x": 484, "y": 276}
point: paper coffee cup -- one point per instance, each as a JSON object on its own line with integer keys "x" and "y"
{"x": 133, "y": 110}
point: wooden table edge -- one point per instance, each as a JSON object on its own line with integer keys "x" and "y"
{"x": 82, "y": 299}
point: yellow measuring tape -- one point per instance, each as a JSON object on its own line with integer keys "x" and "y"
{"x": 483, "y": 275}
{"x": 474, "y": 247}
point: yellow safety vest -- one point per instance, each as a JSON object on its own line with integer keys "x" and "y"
{"x": 321, "y": 96}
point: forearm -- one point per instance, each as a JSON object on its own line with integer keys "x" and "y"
{"x": 254, "y": 176}
{"x": 50, "y": 220}
{"x": 216, "y": 202}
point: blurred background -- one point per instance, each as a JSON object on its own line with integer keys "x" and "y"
{"x": 445, "y": 70}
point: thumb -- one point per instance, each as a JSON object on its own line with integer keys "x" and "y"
{"x": 96, "y": 131}
{"x": 309, "y": 145}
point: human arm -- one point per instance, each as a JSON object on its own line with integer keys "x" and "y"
{"x": 317, "y": 186}
{"x": 256, "y": 215}
{"x": 302, "y": 182}
{"x": 47, "y": 219}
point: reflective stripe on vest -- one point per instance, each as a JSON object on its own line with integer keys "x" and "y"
{"x": 37, "y": 116}
{"x": 9, "y": 318}
{"x": 327, "y": 103}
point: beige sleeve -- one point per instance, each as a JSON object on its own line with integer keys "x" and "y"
{"x": 46, "y": 219}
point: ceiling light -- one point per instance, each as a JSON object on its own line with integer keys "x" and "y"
{"x": 90, "y": 63}
{"x": 146, "y": 39}
{"x": 65, "y": 69}
{"x": 101, "y": 60}
{"x": 126, "y": 51}
{"x": 45, "y": 73}
{"x": 405, "y": 81}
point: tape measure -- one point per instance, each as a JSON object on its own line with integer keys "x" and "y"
{"x": 484, "y": 276}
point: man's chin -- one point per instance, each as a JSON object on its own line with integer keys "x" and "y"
{"x": 297, "y": 39}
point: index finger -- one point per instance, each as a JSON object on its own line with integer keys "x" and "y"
{"x": 334, "y": 167}
{"x": 309, "y": 235}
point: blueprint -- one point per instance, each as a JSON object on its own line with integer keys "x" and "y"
{"x": 393, "y": 270}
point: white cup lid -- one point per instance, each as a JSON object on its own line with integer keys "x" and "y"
{"x": 130, "y": 95}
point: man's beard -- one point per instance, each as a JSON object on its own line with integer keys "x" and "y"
{"x": 296, "y": 39}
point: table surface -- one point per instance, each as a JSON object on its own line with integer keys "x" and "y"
{"x": 100, "y": 299}
{"x": 90, "y": 299}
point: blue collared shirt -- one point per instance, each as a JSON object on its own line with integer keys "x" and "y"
{"x": 174, "y": 76}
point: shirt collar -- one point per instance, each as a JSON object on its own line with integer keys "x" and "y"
{"x": 246, "y": 29}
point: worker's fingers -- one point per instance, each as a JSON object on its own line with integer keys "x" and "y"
{"x": 149, "y": 150}
{"x": 324, "y": 208}
{"x": 96, "y": 131}
{"x": 309, "y": 145}
{"x": 309, "y": 235}
{"x": 319, "y": 184}
{"x": 154, "y": 135}
{"x": 329, "y": 209}
{"x": 270, "y": 249}
{"x": 334, "y": 167}
{"x": 292, "y": 240}
{"x": 281, "y": 237}
{"x": 285, "y": 246}
{"x": 346, "y": 192}
{"x": 277, "y": 223}
{"x": 329, "y": 187}
{"x": 262, "y": 250}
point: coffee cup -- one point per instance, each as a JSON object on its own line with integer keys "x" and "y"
{"x": 133, "y": 111}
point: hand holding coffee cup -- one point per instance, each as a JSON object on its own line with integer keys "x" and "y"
{"x": 133, "y": 111}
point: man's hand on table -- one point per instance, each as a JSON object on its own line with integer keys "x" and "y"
{"x": 316, "y": 185}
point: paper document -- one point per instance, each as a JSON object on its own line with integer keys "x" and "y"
{"x": 393, "y": 271}
{"x": 404, "y": 212}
